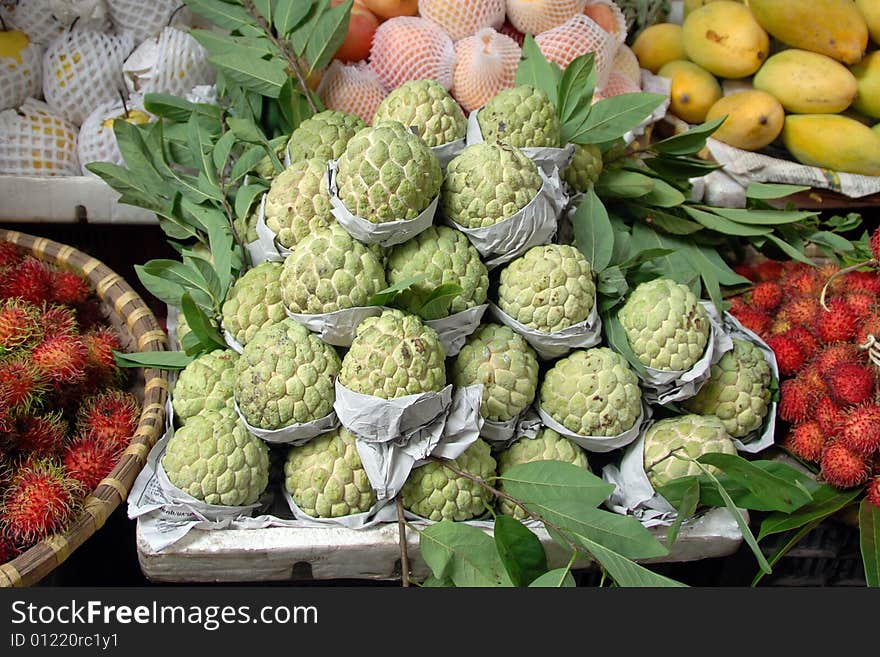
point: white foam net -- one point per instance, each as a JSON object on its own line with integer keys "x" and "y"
{"x": 34, "y": 18}
{"x": 83, "y": 68}
{"x": 353, "y": 89}
{"x": 484, "y": 65}
{"x": 36, "y": 141}
{"x": 20, "y": 79}
{"x": 609, "y": 16}
{"x": 626, "y": 63}
{"x": 619, "y": 84}
{"x": 536, "y": 16}
{"x": 463, "y": 19}
{"x": 146, "y": 19}
{"x": 412, "y": 48}
{"x": 96, "y": 141}
{"x": 182, "y": 64}
{"x": 579, "y": 36}
{"x": 87, "y": 13}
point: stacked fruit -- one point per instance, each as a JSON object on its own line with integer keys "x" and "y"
{"x": 64, "y": 419}
{"x": 812, "y": 86}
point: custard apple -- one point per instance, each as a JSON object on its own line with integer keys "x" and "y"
{"x": 265, "y": 169}
{"x": 665, "y": 325}
{"x": 325, "y": 477}
{"x": 394, "y": 355}
{"x": 693, "y": 435}
{"x": 585, "y": 167}
{"x": 323, "y": 136}
{"x": 548, "y": 288}
{"x": 206, "y": 383}
{"x": 738, "y": 390}
{"x": 592, "y": 392}
{"x": 183, "y": 330}
{"x": 214, "y": 458}
{"x": 426, "y": 109}
{"x": 505, "y": 364}
{"x": 285, "y": 376}
{"x": 446, "y": 256}
{"x": 521, "y": 116}
{"x": 546, "y": 446}
{"x": 387, "y": 173}
{"x": 435, "y": 492}
{"x": 328, "y": 271}
{"x": 254, "y": 301}
{"x": 246, "y": 227}
{"x": 298, "y": 202}
{"x": 488, "y": 183}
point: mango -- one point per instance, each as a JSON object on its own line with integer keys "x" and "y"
{"x": 870, "y": 10}
{"x": 832, "y": 27}
{"x": 754, "y": 119}
{"x": 694, "y": 90}
{"x": 658, "y": 45}
{"x": 867, "y": 74}
{"x": 834, "y": 142}
{"x": 725, "y": 39}
{"x": 807, "y": 82}
{"x": 693, "y": 5}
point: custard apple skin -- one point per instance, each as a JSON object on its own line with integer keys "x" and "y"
{"x": 488, "y": 183}
{"x": 435, "y": 492}
{"x": 665, "y": 325}
{"x": 738, "y": 390}
{"x": 592, "y": 392}
{"x": 214, "y": 458}
{"x": 549, "y": 288}
{"x": 585, "y": 167}
{"x": 387, "y": 174}
{"x": 446, "y": 256}
{"x": 426, "y": 109}
{"x": 547, "y": 445}
{"x": 325, "y": 476}
{"x": 206, "y": 383}
{"x": 523, "y": 117}
{"x": 394, "y": 355}
{"x": 695, "y": 435}
{"x": 328, "y": 271}
{"x": 298, "y": 202}
{"x": 507, "y": 367}
{"x": 254, "y": 301}
{"x": 246, "y": 227}
{"x": 323, "y": 136}
{"x": 284, "y": 376}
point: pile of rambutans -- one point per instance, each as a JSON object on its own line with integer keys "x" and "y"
{"x": 65, "y": 417}
{"x": 829, "y": 395}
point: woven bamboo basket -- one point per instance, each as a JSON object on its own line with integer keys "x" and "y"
{"x": 139, "y": 331}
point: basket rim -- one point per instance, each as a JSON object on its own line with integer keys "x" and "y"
{"x": 39, "y": 560}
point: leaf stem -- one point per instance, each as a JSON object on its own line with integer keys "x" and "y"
{"x": 401, "y": 534}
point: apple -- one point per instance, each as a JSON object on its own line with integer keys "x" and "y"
{"x": 386, "y": 9}
{"x": 362, "y": 26}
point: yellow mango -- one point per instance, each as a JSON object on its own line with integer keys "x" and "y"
{"x": 831, "y": 27}
{"x": 658, "y": 45}
{"x": 754, "y": 119}
{"x": 870, "y": 10}
{"x": 834, "y": 142}
{"x": 807, "y": 82}
{"x": 867, "y": 74}
{"x": 693, "y": 5}
{"x": 725, "y": 39}
{"x": 694, "y": 90}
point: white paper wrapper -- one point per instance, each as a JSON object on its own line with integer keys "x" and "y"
{"x": 454, "y": 330}
{"x": 533, "y": 225}
{"x": 337, "y": 328}
{"x": 662, "y": 387}
{"x": 446, "y": 152}
{"x": 582, "y": 335}
{"x": 138, "y": 68}
{"x": 385, "y": 234}
{"x": 232, "y": 343}
{"x": 382, "y": 511}
{"x": 501, "y": 434}
{"x": 203, "y": 93}
{"x": 599, "y": 443}
{"x": 294, "y": 434}
{"x": 265, "y": 248}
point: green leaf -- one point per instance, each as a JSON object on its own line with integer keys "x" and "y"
{"x": 621, "y": 183}
{"x": 826, "y": 501}
{"x": 832, "y": 240}
{"x": 199, "y": 323}
{"x": 521, "y": 551}
{"x": 625, "y": 572}
{"x": 534, "y": 69}
{"x": 549, "y": 480}
{"x": 169, "y": 107}
{"x": 264, "y": 77}
{"x": 869, "y": 539}
{"x": 617, "y": 340}
{"x": 177, "y": 272}
{"x": 686, "y": 509}
{"x": 614, "y": 117}
{"x": 219, "y": 44}
{"x": 202, "y": 147}
{"x": 222, "y": 150}
{"x": 223, "y": 14}
{"x": 760, "y": 217}
{"x": 664, "y": 195}
{"x": 247, "y": 162}
{"x": 131, "y": 187}
{"x": 575, "y": 95}
{"x": 680, "y": 169}
{"x": 690, "y": 142}
{"x": 776, "y": 491}
{"x": 163, "y": 360}
{"x": 593, "y": 235}
{"x": 611, "y": 282}
{"x": 559, "y": 578}
{"x": 722, "y": 225}
{"x": 789, "y": 250}
{"x": 644, "y": 256}
{"x": 462, "y": 554}
{"x": 793, "y": 539}
{"x": 434, "y": 583}
{"x": 665, "y": 221}
{"x": 265, "y": 8}
{"x": 767, "y": 191}
{"x": 386, "y": 296}
{"x": 168, "y": 292}
{"x": 245, "y": 198}
{"x": 438, "y": 302}
{"x": 288, "y": 15}
{"x": 222, "y": 245}
{"x": 328, "y": 34}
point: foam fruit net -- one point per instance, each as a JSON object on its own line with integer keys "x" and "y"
{"x": 182, "y": 64}
{"x": 352, "y": 89}
{"x": 576, "y": 37}
{"x": 412, "y": 48}
{"x": 463, "y": 19}
{"x": 484, "y": 65}
{"x": 146, "y": 19}
{"x": 35, "y": 141}
{"x": 536, "y": 16}
{"x": 20, "y": 79}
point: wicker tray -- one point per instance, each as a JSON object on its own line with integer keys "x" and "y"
{"x": 139, "y": 331}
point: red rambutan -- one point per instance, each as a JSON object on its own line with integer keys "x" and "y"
{"x": 838, "y": 324}
{"x": 843, "y": 468}
{"x": 745, "y": 270}
{"x": 832, "y": 355}
{"x": 767, "y": 296}
{"x": 812, "y": 378}
{"x": 753, "y": 319}
{"x": 89, "y": 460}
{"x": 737, "y": 304}
{"x": 796, "y": 401}
{"x": 110, "y": 417}
{"x": 41, "y": 435}
{"x": 768, "y": 270}
{"x": 864, "y": 281}
{"x": 850, "y": 384}
{"x": 58, "y": 320}
{"x": 69, "y": 288}
{"x": 19, "y": 325}
{"x": 807, "y": 441}
{"x": 874, "y": 243}
{"x": 21, "y": 385}
{"x": 804, "y": 281}
{"x": 101, "y": 365}
{"x": 872, "y": 492}
{"x": 30, "y": 280}
{"x": 789, "y": 355}
{"x": 862, "y": 304}
{"x": 833, "y": 286}
{"x": 870, "y": 325}
{"x": 860, "y": 429}
{"x": 802, "y": 310}
{"x": 829, "y": 415}
{"x": 802, "y": 337}
{"x": 10, "y": 254}
{"x": 61, "y": 359}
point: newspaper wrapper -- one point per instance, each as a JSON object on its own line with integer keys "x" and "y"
{"x": 548, "y": 346}
{"x": 384, "y": 234}
{"x": 501, "y": 434}
{"x": 550, "y": 160}
{"x": 393, "y": 434}
{"x": 266, "y": 247}
{"x": 232, "y": 343}
{"x": 294, "y": 434}
{"x": 664, "y": 387}
{"x": 657, "y": 85}
{"x": 337, "y": 328}
{"x": 533, "y": 225}
{"x": 599, "y": 443}
{"x": 447, "y": 152}
{"x": 380, "y": 512}
{"x": 454, "y": 330}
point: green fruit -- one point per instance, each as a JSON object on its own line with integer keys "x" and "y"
{"x": 254, "y": 301}
{"x": 298, "y": 202}
{"x": 325, "y": 476}
{"x": 522, "y": 116}
{"x": 688, "y": 435}
{"x": 206, "y": 383}
{"x": 323, "y": 136}
{"x": 246, "y": 227}
{"x": 215, "y": 459}
{"x": 585, "y": 167}
{"x": 426, "y": 109}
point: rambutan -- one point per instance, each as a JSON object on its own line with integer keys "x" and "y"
{"x": 833, "y": 286}
{"x": 780, "y": 325}
{"x": 789, "y": 355}
{"x": 843, "y": 468}
{"x": 41, "y": 435}
{"x": 812, "y": 378}
{"x": 862, "y": 304}
{"x": 753, "y": 319}
{"x": 61, "y": 359}
{"x": 30, "y": 280}
{"x": 828, "y": 415}
{"x": 737, "y": 304}
{"x": 872, "y": 492}
{"x": 767, "y": 296}
{"x": 807, "y": 441}
{"x": 869, "y": 326}
{"x": 838, "y": 324}
{"x": 110, "y": 417}
{"x": 804, "y": 281}
{"x": 796, "y": 401}
{"x": 832, "y": 355}
{"x": 69, "y": 288}
{"x": 874, "y": 243}
{"x": 58, "y": 320}
{"x": 801, "y": 310}
{"x": 745, "y": 270}
{"x": 10, "y": 254}
{"x": 19, "y": 325}
{"x": 850, "y": 384}
{"x": 89, "y": 460}
{"x": 807, "y": 342}
{"x": 860, "y": 429}
{"x": 41, "y": 499}
{"x": 864, "y": 281}
{"x": 101, "y": 365}
{"x": 21, "y": 385}
{"x": 768, "y": 270}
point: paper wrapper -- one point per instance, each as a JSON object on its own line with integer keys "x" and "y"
{"x": 656, "y": 85}
{"x": 533, "y": 225}
{"x": 454, "y": 330}
{"x": 582, "y": 335}
{"x": 203, "y": 93}
{"x": 381, "y": 511}
{"x": 266, "y": 247}
{"x": 232, "y": 343}
{"x": 447, "y": 152}
{"x": 393, "y": 434}
{"x": 294, "y": 434}
{"x": 337, "y": 328}
{"x": 599, "y": 443}
{"x": 501, "y": 434}
{"x": 384, "y": 234}
{"x": 663, "y": 387}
